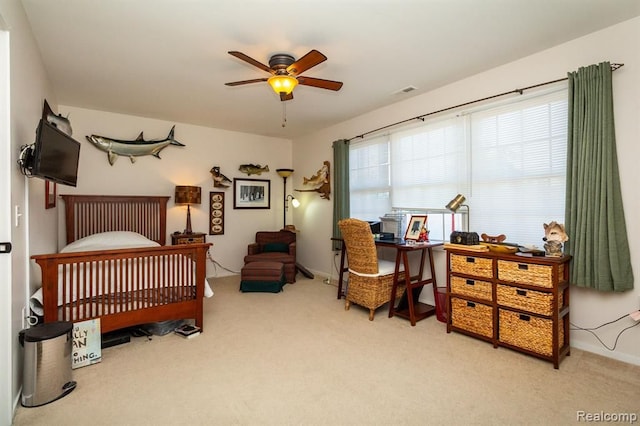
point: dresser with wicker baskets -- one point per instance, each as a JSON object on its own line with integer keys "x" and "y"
{"x": 515, "y": 301}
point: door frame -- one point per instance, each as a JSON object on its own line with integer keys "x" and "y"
{"x": 6, "y": 325}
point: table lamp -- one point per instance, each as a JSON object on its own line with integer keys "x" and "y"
{"x": 188, "y": 195}
{"x": 456, "y": 203}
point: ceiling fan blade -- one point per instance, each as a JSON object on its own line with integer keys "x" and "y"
{"x": 285, "y": 97}
{"x": 321, "y": 83}
{"x": 251, "y": 61}
{"x": 238, "y": 83}
{"x": 309, "y": 60}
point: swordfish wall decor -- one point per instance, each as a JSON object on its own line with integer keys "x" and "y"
{"x": 134, "y": 148}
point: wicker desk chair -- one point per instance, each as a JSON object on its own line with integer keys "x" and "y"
{"x": 370, "y": 279}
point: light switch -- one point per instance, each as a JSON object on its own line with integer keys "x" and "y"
{"x": 17, "y": 216}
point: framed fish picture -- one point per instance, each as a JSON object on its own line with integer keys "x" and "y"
{"x": 251, "y": 194}
{"x": 216, "y": 213}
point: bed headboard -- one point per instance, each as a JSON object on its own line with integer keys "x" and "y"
{"x": 90, "y": 214}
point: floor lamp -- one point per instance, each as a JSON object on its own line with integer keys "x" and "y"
{"x": 284, "y": 174}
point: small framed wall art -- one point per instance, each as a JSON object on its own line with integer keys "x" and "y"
{"x": 216, "y": 213}
{"x": 415, "y": 226}
{"x": 251, "y": 194}
{"x": 50, "y": 190}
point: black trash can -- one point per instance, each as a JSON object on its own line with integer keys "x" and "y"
{"x": 47, "y": 363}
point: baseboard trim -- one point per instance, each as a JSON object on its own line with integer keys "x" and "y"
{"x": 630, "y": 359}
{"x": 16, "y": 401}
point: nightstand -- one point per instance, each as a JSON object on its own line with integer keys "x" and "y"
{"x": 195, "y": 237}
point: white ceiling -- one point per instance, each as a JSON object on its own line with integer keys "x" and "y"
{"x": 168, "y": 59}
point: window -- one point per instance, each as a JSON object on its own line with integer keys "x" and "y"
{"x": 508, "y": 160}
{"x": 369, "y": 180}
{"x": 518, "y": 168}
{"x": 428, "y": 163}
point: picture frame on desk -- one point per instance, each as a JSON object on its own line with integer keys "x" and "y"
{"x": 416, "y": 223}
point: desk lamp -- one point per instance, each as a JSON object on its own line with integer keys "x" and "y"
{"x": 456, "y": 203}
{"x": 188, "y": 195}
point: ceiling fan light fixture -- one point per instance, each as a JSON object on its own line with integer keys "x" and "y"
{"x": 282, "y": 83}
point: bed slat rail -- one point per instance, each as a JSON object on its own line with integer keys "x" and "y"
{"x": 92, "y": 214}
{"x": 125, "y": 287}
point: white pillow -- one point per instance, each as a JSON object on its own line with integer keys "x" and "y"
{"x": 108, "y": 241}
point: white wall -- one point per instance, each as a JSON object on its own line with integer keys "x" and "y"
{"x": 38, "y": 232}
{"x": 615, "y": 44}
{"x": 29, "y": 85}
{"x": 188, "y": 165}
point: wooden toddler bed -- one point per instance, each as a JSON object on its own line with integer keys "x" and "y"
{"x": 126, "y": 286}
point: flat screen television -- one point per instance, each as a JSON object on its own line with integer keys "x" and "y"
{"x": 55, "y": 155}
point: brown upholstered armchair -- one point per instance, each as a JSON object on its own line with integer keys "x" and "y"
{"x": 275, "y": 246}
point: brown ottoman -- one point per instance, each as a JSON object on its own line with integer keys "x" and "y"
{"x": 262, "y": 276}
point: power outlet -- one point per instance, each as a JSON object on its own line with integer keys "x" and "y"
{"x": 636, "y": 315}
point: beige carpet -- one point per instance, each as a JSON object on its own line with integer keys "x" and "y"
{"x": 298, "y": 358}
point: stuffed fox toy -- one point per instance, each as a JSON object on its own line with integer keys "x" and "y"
{"x": 554, "y": 237}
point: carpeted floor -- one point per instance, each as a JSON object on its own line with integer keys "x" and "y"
{"x": 298, "y": 358}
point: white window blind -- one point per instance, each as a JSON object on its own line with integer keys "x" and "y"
{"x": 518, "y": 167}
{"x": 369, "y": 179}
{"x": 428, "y": 163}
{"x": 509, "y": 161}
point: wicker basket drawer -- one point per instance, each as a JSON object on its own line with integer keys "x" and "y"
{"x": 527, "y": 300}
{"x": 471, "y": 265}
{"x": 528, "y": 273}
{"x": 473, "y": 288}
{"x": 528, "y": 332}
{"x": 474, "y": 317}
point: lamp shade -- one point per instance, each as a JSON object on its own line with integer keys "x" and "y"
{"x": 188, "y": 195}
{"x": 455, "y": 204}
{"x": 294, "y": 201}
{"x": 282, "y": 83}
{"x": 284, "y": 173}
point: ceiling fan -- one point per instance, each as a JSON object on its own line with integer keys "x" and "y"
{"x": 285, "y": 73}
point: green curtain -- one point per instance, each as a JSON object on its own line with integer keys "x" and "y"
{"x": 594, "y": 217}
{"x": 341, "y": 208}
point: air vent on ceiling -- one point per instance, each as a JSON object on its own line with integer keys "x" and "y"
{"x": 405, "y": 90}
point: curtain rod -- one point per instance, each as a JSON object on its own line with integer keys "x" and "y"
{"x": 518, "y": 91}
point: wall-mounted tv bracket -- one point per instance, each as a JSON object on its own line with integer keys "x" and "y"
{"x": 25, "y": 159}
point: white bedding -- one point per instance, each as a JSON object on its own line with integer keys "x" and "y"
{"x": 109, "y": 241}
{"x": 104, "y": 241}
